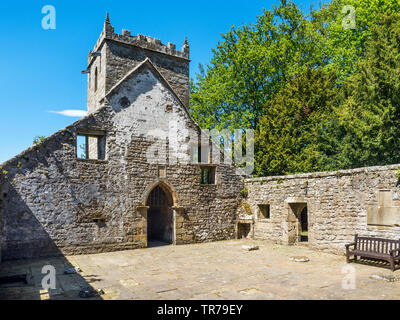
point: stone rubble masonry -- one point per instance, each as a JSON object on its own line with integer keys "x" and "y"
{"x": 337, "y": 204}
{"x": 54, "y": 203}
{"x": 120, "y": 53}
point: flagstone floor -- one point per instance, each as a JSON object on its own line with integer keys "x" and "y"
{"x": 218, "y": 270}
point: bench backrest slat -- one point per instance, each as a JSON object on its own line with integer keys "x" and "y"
{"x": 379, "y": 245}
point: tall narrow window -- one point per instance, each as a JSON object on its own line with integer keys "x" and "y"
{"x": 81, "y": 147}
{"x": 95, "y": 79}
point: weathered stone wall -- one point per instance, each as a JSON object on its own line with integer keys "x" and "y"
{"x": 98, "y": 64}
{"x": 337, "y": 202}
{"x": 121, "y": 58}
{"x": 54, "y": 203}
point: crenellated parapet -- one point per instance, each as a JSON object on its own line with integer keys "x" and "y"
{"x": 114, "y": 55}
{"x": 138, "y": 40}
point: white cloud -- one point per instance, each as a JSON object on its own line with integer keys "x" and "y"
{"x": 71, "y": 113}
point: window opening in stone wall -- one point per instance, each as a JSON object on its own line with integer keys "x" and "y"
{"x": 95, "y": 79}
{"x": 304, "y": 225}
{"x": 264, "y": 210}
{"x": 90, "y": 147}
{"x": 200, "y": 151}
{"x": 81, "y": 147}
{"x": 207, "y": 175}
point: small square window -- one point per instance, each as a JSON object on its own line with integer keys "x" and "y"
{"x": 90, "y": 147}
{"x": 207, "y": 175}
{"x": 264, "y": 211}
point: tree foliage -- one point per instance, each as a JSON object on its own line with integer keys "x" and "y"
{"x": 369, "y": 118}
{"x": 248, "y": 67}
{"x": 292, "y": 135}
{"x": 320, "y": 97}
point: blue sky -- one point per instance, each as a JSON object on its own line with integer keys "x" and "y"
{"x": 40, "y": 69}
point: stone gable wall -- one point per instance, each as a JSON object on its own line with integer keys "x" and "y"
{"x": 337, "y": 204}
{"x": 54, "y": 203}
{"x": 123, "y": 58}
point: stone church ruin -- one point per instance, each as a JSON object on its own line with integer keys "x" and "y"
{"x": 115, "y": 180}
{"x": 105, "y": 182}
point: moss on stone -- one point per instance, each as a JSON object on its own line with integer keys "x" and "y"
{"x": 246, "y": 208}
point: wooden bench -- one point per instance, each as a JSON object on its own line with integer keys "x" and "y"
{"x": 374, "y": 248}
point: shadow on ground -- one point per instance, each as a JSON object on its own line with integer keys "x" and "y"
{"x": 22, "y": 279}
{"x": 156, "y": 243}
{"x": 374, "y": 263}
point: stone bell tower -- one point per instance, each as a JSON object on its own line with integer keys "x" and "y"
{"x": 114, "y": 55}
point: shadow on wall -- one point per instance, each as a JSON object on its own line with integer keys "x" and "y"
{"x": 24, "y": 279}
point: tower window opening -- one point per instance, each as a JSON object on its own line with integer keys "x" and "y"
{"x": 95, "y": 79}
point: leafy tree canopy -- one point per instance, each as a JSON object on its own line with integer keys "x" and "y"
{"x": 320, "y": 96}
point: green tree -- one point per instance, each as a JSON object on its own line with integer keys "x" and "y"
{"x": 339, "y": 48}
{"x": 252, "y": 62}
{"x": 257, "y": 69}
{"x": 292, "y": 135}
{"x": 248, "y": 66}
{"x": 369, "y": 119}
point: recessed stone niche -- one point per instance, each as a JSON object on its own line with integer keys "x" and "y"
{"x": 162, "y": 172}
{"x": 385, "y": 213}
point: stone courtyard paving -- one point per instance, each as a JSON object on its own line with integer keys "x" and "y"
{"x": 218, "y": 270}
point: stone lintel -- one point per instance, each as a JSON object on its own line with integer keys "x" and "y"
{"x": 249, "y": 221}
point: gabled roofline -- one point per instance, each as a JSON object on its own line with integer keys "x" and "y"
{"x": 146, "y": 62}
{"x": 102, "y": 108}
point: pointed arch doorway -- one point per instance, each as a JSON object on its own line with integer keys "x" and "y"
{"x": 160, "y": 216}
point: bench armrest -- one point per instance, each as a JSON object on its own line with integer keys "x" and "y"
{"x": 350, "y": 244}
{"x": 393, "y": 251}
